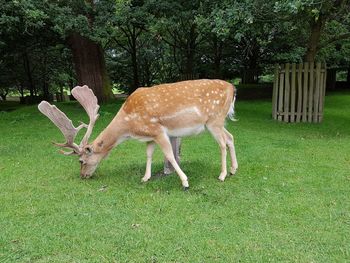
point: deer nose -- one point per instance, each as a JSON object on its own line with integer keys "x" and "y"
{"x": 81, "y": 161}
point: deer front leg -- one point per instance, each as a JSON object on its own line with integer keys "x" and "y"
{"x": 164, "y": 143}
{"x": 149, "y": 151}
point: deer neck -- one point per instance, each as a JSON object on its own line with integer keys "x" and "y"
{"x": 114, "y": 134}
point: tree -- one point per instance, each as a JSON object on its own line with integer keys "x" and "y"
{"x": 176, "y": 26}
{"x": 129, "y": 23}
{"x": 75, "y": 22}
{"x": 34, "y": 23}
{"x": 318, "y": 15}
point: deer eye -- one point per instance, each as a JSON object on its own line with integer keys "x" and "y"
{"x": 88, "y": 150}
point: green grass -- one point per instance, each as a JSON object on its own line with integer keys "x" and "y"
{"x": 289, "y": 202}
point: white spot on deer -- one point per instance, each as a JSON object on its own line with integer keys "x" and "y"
{"x": 183, "y": 112}
{"x": 200, "y": 100}
{"x": 154, "y": 120}
{"x": 133, "y": 116}
{"x": 127, "y": 118}
{"x": 207, "y": 94}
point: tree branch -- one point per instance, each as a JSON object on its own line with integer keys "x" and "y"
{"x": 121, "y": 45}
{"x": 333, "y": 40}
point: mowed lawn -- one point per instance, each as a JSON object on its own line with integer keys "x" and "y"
{"x": 289, "y": 201}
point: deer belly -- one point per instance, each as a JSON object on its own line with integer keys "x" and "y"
{"x": 185, "y": 122}
{"x": 186, "y": 131}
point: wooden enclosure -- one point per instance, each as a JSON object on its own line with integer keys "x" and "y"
{"x": 298, "y": 92}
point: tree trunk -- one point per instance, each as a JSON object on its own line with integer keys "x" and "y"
{"x": 314, "y": 39}
{"x": 3, "y": 96}
{"x": 331, "y": 78}
{"x": 251, "y": 74}
{"x": 20, "y": 88}
{"x": 135, "y": 66}
{"x": 190, "y": 50}
{"x": 217, "y": 45}
{"x": 189, "y": 62}
{"x": 28, "y": 72}
{"x": 251, "y": 70}
{"x": 90, "y": 66}
{"x": 146, "y": 73}
{"x": 46, "y": 92}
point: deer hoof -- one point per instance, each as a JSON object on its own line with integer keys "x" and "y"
{"x": 186, "y": 188}
{"x": 145, "y": 179}
{"x": 233, "y": 171}
{"x": 222, "y": 178}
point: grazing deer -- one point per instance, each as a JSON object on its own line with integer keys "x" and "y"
{"x": 152, "y": 115}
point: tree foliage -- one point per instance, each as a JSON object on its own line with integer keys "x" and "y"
{"x": 146, "y": 42}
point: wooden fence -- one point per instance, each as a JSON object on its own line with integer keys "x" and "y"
{"x": 298, "y": 92}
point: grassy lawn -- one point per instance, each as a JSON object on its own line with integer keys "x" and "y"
{"x": 289, "y": 201}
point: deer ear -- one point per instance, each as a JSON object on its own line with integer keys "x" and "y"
{"x": 88, "y": 150}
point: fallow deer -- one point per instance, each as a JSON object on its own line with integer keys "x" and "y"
{"x": 152, "y": 115}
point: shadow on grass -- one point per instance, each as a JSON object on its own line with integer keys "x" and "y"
{"x": 198, "y": 173}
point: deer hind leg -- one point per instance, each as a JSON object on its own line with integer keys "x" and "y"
{"x": 219, "y": 135}
{"x": 149, "y": 151}
{"x": 164, "y": 143}
{"x": 231, "y": 147}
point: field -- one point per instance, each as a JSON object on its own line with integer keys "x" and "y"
{"x": 289, "y": 201}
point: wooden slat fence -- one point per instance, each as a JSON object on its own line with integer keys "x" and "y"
{"x": 298, "y": 92}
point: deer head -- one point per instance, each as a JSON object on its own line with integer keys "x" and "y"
{"x": 88, "y": 158}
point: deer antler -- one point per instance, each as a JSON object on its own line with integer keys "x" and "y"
{"x": 88, "y": 100}
{"x": 64, "y": 124}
